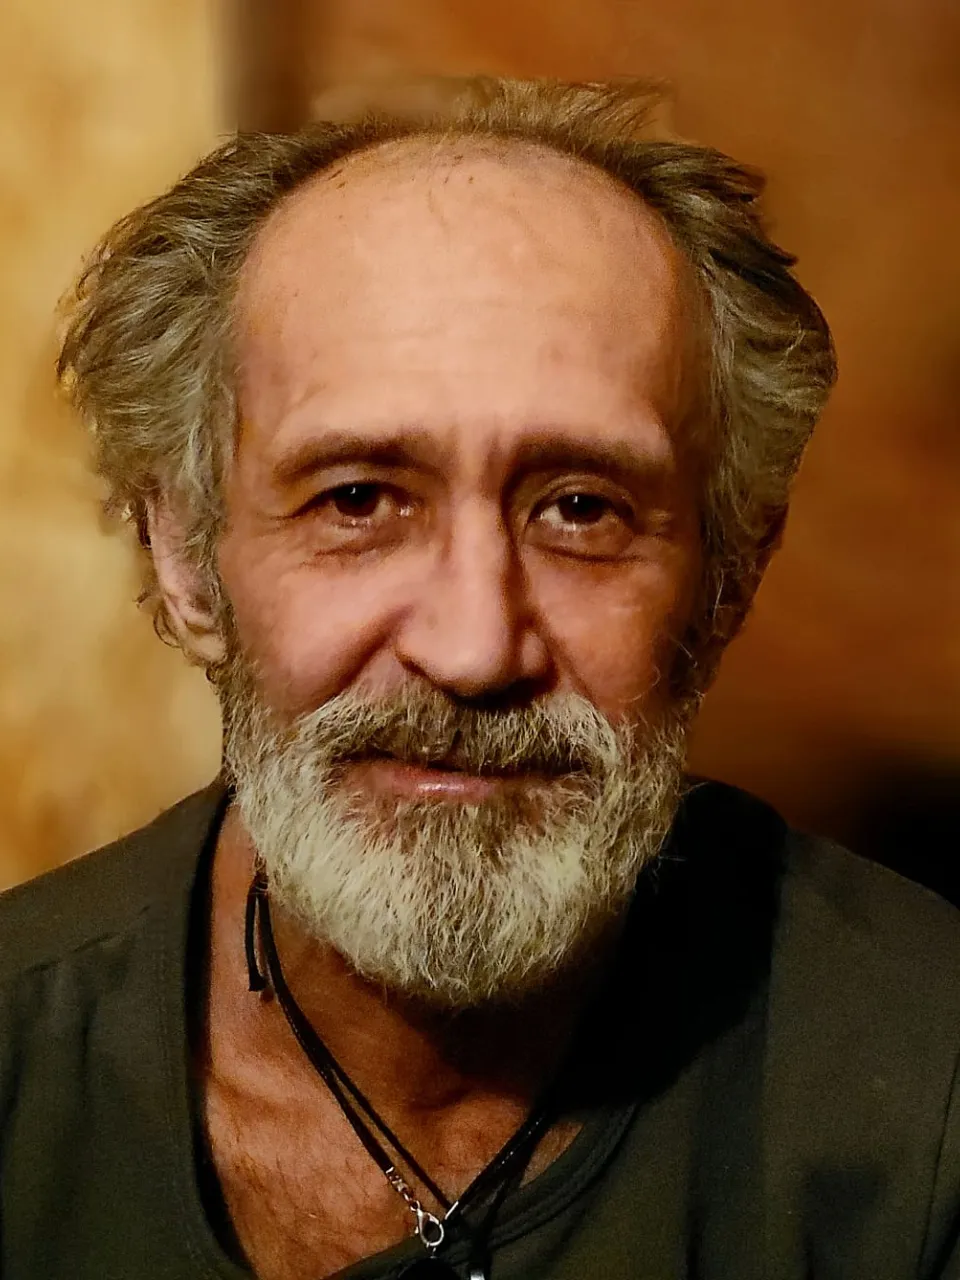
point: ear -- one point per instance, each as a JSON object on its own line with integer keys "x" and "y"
{"x": 190, "y": 610}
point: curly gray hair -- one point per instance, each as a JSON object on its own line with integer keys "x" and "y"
{"x": 146, "y": 355}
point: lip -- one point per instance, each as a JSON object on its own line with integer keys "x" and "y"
{"x": 423, "y": 782}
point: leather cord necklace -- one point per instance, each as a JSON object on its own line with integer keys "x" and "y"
{"x": 496, "y": 1180}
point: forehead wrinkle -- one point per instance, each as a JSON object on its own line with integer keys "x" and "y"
{"x": 431, "y": 163}
{"x": 272, "y": 278}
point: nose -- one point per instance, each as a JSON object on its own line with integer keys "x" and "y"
{"x": 471, "y": 631}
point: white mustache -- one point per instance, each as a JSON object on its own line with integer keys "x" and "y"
{"x": 555, "y": 737}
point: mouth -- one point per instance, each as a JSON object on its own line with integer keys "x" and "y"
{"x": 447, "y": 778}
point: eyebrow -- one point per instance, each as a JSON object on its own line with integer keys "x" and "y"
{"x": 543, "y": 451}
{"x": 401, "y": 448}
{"x": 554, "y": 451}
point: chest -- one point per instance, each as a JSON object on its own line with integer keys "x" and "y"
{"x": 304, "y": 1200}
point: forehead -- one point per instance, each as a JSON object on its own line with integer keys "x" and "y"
{"x": 459, "y": 280}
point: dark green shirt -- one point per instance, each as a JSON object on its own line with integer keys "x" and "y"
{"x": 767, "y": 1083}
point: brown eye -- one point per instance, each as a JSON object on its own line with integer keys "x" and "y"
{"x": 584, "y": 523}
{"x": 582, "y": 508}
{"x": 356, "y": 501}
{"x": 358, "y": 516}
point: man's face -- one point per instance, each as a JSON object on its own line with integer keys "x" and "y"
{"x": 458, "y": 459}
{"x": 460, "y": 471}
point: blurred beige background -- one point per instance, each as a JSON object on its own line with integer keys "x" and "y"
{"x": 841, "y": 702}
{"x": 101, "y": 104}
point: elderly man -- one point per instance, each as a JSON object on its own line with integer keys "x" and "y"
{"x": 458, "y": 443}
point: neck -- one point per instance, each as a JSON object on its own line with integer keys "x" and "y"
{"x": 412, "y": 1062}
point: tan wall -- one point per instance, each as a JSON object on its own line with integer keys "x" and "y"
{"x": 102, "y": 103}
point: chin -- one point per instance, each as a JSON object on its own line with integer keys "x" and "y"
{"x": 457, "y": 905}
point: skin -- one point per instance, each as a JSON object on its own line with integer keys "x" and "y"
{"x": 465, "y": 374}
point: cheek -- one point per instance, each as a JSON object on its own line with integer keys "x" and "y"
{"x": 310, "y": 631}
{"x": 612, "y": 629}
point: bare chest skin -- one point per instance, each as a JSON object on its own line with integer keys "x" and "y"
{"x": 304, "y": 1199}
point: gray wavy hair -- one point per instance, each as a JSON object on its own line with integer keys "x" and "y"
{"x": 147, "y": 353}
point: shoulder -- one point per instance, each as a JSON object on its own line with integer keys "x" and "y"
{"x": 866, "y": 992}
{"x": 862, "y": 1050}
{"x": 862, "y": 966}
{"x": 825, "y": 896}
{"x": 858, "y": 1022}
{"x": 830, "y": 990}
{"x": 102, "y": 893}
{"x": 903, "y": 926}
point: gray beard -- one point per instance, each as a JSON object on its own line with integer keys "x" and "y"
{"x": 454, "y": 905}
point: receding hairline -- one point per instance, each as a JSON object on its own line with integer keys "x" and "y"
{"x": 449, "y": 147}
{"x": 441, "y": 150}
{"x": 420, "y": 153}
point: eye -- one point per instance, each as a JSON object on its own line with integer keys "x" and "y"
{"x": 582, "y": 523}
{"x": 578, "y": 509}
{"x": 358, "y": 516}
{"x": 356, "y": 501}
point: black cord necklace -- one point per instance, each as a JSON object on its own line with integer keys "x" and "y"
{"x": 495, "y": 1180}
